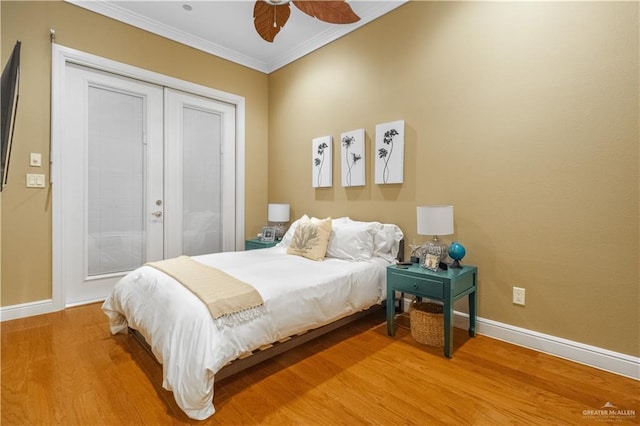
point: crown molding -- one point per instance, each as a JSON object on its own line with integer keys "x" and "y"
{"x": 111, "y": 10}
{"x": 332, "y": 33}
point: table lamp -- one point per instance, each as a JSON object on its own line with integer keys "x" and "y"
{"x": 279, "y": 215}
{"x": 435, "y": 220}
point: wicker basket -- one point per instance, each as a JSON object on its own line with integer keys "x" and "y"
{"x": 427, "y": 323}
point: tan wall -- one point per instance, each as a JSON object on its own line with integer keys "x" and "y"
{"x": 26, "y": 213}
{"x": 524, "y": 116}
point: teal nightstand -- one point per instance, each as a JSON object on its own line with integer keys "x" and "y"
{"x": 257, "y": 244}
{"x": 445, "y": 286}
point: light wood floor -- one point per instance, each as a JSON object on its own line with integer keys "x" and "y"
{"x": 65, "y": 368}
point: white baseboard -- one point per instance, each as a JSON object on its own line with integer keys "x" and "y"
{"x": 30, "y": 309}
{"x": 85, "y": 302}
{"x": 39, "y": 307}
{"x": 603, "y": 359}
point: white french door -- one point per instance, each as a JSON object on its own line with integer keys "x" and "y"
{"x": 111, "y": 182}
{"x": 200, "y": 152}
{"x": 142, "y": 178}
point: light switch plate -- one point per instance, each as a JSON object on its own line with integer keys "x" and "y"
{"x": 35, "y": 159}
{"x": 35, "y": 180}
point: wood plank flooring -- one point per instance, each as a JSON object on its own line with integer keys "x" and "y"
{"x": 66, "y": 368}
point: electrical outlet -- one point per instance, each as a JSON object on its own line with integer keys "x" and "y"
{"x": 518, "y": 296}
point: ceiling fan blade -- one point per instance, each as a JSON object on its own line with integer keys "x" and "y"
{"x": 269, "y": 19}
{"x": 332, "y": 11}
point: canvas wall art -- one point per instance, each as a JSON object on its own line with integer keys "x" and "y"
{"x": 322, "y": 170}
{"x": 352, "y": 158}
{"x": 389, "y": 152}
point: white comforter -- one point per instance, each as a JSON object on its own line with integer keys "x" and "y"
{"x": 299, "y": 294}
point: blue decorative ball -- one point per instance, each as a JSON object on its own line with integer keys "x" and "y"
{"x": 457, "y": 251}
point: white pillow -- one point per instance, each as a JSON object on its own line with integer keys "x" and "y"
{"x": 288, "y": 236}
{"x": 387, "y": 242}
{"x": 386, "y": 239}
{"x": 340, "y": 221}
{"x": 352, "y": 240}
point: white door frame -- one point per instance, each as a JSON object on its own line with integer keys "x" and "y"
{"x": 60, "y": 57}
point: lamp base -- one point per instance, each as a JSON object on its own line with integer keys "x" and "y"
{"x": 437, "y": 248}
{"x": 280, "y": 231}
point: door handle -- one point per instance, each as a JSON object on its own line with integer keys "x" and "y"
{"x": 157, "y": 214}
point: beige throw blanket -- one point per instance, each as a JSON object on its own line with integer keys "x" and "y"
{"x": 229, "y": 300}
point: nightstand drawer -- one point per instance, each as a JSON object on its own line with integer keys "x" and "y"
{"x": 418, "y": 286}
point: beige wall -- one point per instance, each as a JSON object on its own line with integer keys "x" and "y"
{"x": 522, "y": 115}
{"x": 26, "y": 213}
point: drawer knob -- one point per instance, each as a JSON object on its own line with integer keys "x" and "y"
{"x": 415, "y": 286}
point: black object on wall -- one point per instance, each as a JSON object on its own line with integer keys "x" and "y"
{"x": 9, "y": 99}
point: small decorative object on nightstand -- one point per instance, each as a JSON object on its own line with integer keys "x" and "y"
{"x": 268, "y": 233}
{"x": 416, "y": 252}
{"x": 431, "y": 261}
{"x": 456, "y": 252}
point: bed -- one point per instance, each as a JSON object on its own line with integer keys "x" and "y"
{"x": 301, "y": 293}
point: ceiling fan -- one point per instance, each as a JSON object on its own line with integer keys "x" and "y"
{"x": 269, "y": 16}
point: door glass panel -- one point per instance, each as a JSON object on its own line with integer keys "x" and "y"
{"x": 115, "y": 181}
{"x": 201, "y": 182}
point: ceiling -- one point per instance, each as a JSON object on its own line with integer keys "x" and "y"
{"x": 225, "y": 28}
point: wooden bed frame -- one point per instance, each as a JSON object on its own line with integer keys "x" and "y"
{"x": 271, "y": 350}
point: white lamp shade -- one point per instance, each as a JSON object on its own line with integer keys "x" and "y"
{"x": 435, "y": 220}
{"x": 278, "y": 213}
